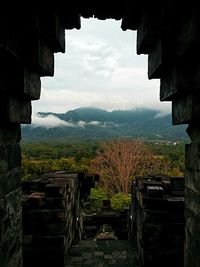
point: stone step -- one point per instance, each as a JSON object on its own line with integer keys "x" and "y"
{"x": 118, "y": 253}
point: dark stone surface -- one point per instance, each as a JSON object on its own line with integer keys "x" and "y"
{"x": 3, "y": 158}
{"x": 42, "y": 58}
{"x": 192, "y": 155}
{"x": 51, "y": 212}
{"x": 10, "y": 230}
{"x": 14, "y": 156}
{"x": 185, "y": 109}
{"x": 9, "y": 181}
{"x": 103, "y": 253}
{"x": 158, "y": 216}
{"x": 29, "y": 38}
{"x": 10, "y": 133}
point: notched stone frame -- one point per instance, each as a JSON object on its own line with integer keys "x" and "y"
{"x": 171, "y": 38}
{"x": 28, "y": 41}
{"x": 166, "y": 31}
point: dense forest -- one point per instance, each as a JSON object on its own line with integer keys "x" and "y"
{"x": 81, "y": 156}
{"x": 95, "y": 140}
{"x": 91, "y": 124}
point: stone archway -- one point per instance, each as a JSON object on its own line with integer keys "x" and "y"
{"x": 168, "y": 33}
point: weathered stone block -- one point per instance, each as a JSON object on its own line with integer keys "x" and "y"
{"x": 46, "y": 256}
{"x": 3, "y": 158}
{"x": 14, "y": 35}
{"x": 15, "y": 260}
{"x": 3, "y": 34}
{"x": 189, "y": 34}
{"x": 186, "y": 109}
{"x": 49, "y": 241}
{"x": 10, "y": 230}
{"x": 25, "y": 112}
{"x": 32, "y": 85}
{"x": 145, "y": 35}
{"x": 18, "y": 111}
{"x": 42, "y": 58}
{"x": 177, "y": 183}
{"x": 10, "y": 132}
{"x": 56, "y": 228}
{"x": 25, "y": 83}
{"x": 160, "y": 57}
{"x": 36, "y": 200}
{"x": 192, "y": 205}
{"x": 192, "y": 156}
{"x": 179, "y": 81}
{"x": 190, "y": 260}
{"x": 2, "y": 209}
{"x": 54, "y": 190}
{"x": 10, "y": 36}
{"x": 58, "y": 203}
{"x": 152, "y": 23}
{"x": 71, "y": 18}
{"x": 14, "y": 156}
{"x": 56, "y": 215}
{"x": 192, "y": 256}
{"x": 155, "y": 60}
{"x": 168, "y": 86}
{"x": 43, "y": 228}
{"x": 10, "y": 181}
{"x": 52, "y": 30}
{"x": 14, "y": 110}
{"x": 131, "y": 17}
{"x": 193, "y": 131}
{"x": 159, "y": 226}
{"x": 50, "y": 213}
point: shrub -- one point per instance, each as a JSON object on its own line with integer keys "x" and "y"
{"x": 96, "y": 197}
{"x": 120, "y": 201}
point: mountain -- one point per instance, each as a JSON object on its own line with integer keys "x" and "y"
{"x": 96, "y": 124}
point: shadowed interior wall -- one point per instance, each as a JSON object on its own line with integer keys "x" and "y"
{"x": 167, "y": 31}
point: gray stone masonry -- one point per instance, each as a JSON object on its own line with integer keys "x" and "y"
{"x": 51, "y": 214}
{"x": 158, "y": 218}
{"x": 103, "y": 254}
{"x": 30, "y": 35}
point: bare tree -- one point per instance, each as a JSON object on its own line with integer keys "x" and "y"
{"x": 119, "y": 161}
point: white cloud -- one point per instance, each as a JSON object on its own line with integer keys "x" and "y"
{"x": 101, "y": 69}
{"x": 160, "y": 115}
{"x": 81, "y": 124}
{"x": 52, "y": 121}
{"x": 64, "y": 100}
{"x": 49, "y": 122}
{"x": 95, "y": 123}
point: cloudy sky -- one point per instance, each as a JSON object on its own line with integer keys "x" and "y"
{"x": 99, "y": 69}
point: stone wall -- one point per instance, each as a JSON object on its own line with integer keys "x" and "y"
{"x": 166, "y": 30}
{"x": 158, "y": 218}
{"x": 192, "y": 209}
{"x": 10, "y": 196}
{"x": 28, "y": 41}
{"x": 169, "y": 34}
{"x": 116, "y": 219}
{"x": 51, "y": 216}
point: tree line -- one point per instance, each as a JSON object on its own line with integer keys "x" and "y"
{"x": 117, "y": 162}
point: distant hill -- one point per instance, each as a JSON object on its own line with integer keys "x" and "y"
{"x": 97, "y": 124}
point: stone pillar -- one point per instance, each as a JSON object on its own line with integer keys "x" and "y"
{"x": 51, "y": 216}
{"x": 158, "y": 204}
{"x": 171, "y": 39}
{"x": 10, "y": 196}
{"x": 28, "y": 41}
{"x": 192, "y": 192}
